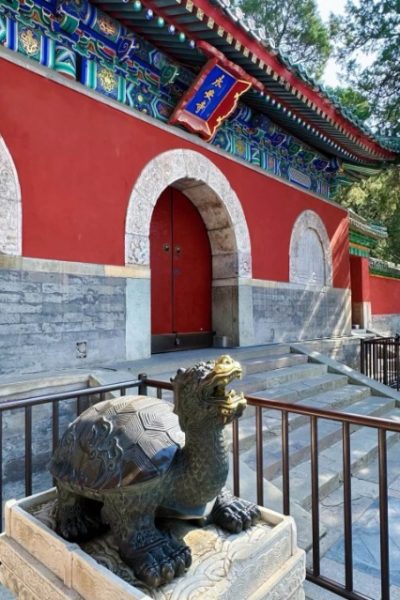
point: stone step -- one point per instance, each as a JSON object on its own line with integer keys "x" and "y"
{"x": 364, "y": 449}
{"x": 342, "y": 399}
{"x": 337, "y": 398}
{"x": 251, "y": 366}
{"x": 291, "y": 374}
{"x": 277, "y": 361}
{"x": 259, "y": 382}
{"x": 329, "y": 432}
{"x": 298, "y": 390}
{"x": 164, "y": 366}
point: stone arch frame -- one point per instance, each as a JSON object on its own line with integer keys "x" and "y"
{"x": 210, "y": 192}
{"x": 10, "y": 204}
{"x": 309, "y": 219}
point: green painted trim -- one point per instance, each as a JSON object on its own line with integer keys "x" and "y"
{"x": 382, "y": 273}
{"x": 363, "y": 240}
{"x": 358, "y": 252}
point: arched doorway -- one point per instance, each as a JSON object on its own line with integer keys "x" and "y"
{"x": 209, "y": 191}
{"x": 181, "y": 274}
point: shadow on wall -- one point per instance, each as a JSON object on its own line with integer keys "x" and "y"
{"x": 286, "y": 312}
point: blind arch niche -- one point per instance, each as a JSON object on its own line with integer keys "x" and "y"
{"x": 310, "y": 255}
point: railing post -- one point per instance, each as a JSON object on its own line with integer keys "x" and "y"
{"x": 397, "y": 362}
{"x": 383, "y": 515}
{"x": 315, "y": 496}
{"x": 347, "y": 508}
{"x": 235, "y": 458}
{"x": 142, "y": 385}
{"x": 28, "y": 450}
{"x": 385, "y": 364}
{"x": 285, "y": 463}
{"x": 259, "y": 456}
{"x": 362, "y": 358}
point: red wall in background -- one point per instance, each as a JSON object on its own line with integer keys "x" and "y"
{"x": 385, "y": 295}
{"x": 78, "y": 160}
{"x": 360, "y": 279}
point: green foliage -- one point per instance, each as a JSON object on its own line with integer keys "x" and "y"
{"x": 296, "y": 27}
{"x": 372, "y": 92}
{"x": 373, "y": 28}
{"x": 378, "y": 200}
{"x": 352, "y": 99}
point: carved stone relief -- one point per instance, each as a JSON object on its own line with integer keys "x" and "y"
{"x": 10, "y": 205}
{"x": 209, "y": 190}
{"x": 310, "y": 259}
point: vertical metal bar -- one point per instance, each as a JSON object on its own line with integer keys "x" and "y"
{"x": 285, "y": 463}
{"x": 122, "y": 391}
{"x": 315, "y": 496}
{"x": 102, "y": 396}
{"x": 28, "y": 450}
{"x": 348, "y": 531}
{"x": 385, "y": 364}
{"x": 235, "y": 450}
{"x": 55, "y": 423}
{"x": 362, "y": 357}
{"x": 159, "y": 393}
{"x": 375, "y": 371}
{"x": 397, "y": 363}
{"x": 383, "y": 515}
{"x": 142, "y": 384}
{"x": 369, "y": 359}
{"x": 79, "y": 405}
{"x": 259, "y": 457}
{"x": 1, "y": 470}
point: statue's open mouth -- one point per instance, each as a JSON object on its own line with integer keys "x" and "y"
{"x": 229, "y": 403}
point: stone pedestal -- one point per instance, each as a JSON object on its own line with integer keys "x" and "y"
{"x": 263, "y": 563}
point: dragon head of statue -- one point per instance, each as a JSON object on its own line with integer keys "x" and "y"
{"x": 201, "y": 394}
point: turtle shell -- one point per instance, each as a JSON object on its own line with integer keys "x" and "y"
{"x": 117, "y": 443}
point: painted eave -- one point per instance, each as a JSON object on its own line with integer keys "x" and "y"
{"x": 283, "y": 90}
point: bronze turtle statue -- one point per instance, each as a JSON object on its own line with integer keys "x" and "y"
{"x": 124, "y": 462}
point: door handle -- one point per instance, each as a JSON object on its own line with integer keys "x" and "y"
{"x": 177, "y": 249}
{"x": 166, "y": 247}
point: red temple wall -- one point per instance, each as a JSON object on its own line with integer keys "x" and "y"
{"x": 385, "y": 295}
{"x": 78, "y": 160}
{"x": 360, "y": 279}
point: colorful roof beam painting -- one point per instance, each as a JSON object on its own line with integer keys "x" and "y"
{"x": 285, "y": 91}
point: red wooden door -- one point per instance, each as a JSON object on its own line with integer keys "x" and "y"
{"x": 180, "y": 258}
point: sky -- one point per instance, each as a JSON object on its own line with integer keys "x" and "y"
{"x": 325, "y": 7}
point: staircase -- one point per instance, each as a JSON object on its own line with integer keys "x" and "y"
{"x": 280, "y": 373}
{"x": 313, "y": 385}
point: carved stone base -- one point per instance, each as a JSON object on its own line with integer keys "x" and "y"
{"x": 262, "y": 563}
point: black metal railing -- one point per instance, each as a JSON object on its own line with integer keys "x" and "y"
{"x": 348, "y": 423}
{"x": 380, "y": 360}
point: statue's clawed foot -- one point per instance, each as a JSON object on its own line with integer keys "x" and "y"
{"x": 155, "y": 558}
{"x": 234, "y": 514}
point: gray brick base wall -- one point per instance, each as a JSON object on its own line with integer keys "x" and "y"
{"x": 284, "y": 312}
{"x": 56, "y": 315}
{"x": 51, "y": 320}
{"x": 386, "y": 325}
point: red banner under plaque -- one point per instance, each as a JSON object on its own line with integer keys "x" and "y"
{"x": 210, "y": 99}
